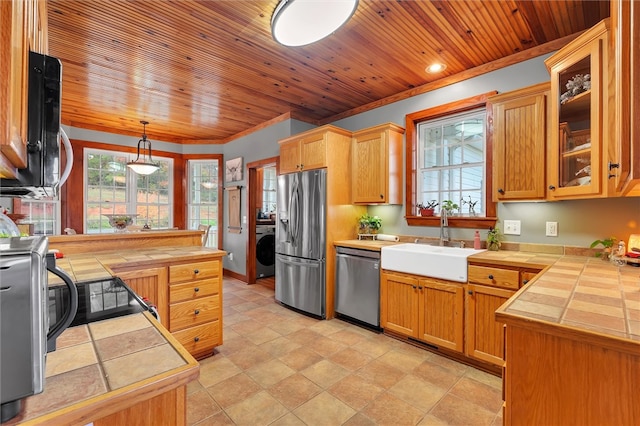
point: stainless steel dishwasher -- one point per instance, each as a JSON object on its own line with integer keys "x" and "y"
{"x": 358, "y": 285}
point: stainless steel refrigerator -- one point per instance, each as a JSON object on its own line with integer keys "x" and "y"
{"x": 300, "y": 241}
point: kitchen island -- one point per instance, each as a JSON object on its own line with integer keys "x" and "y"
{"x": 126, "y": 370}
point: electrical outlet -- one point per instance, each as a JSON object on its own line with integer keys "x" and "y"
{"x": 552, "y": 229}
{"x": 230, "y": 256}
{"x": 512, "y": 227}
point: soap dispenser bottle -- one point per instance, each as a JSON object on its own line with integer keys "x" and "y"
{"x": 476, "y": 240}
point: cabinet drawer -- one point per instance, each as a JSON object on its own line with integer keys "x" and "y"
{"x": 193, "y": 290}
{"x": 193, "y": 312}
{"x": 495, "y": 277}
{"x": 194, "y": 271}
{"x": 201, "y": 338}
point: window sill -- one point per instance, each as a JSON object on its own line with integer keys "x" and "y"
{"x": 454, "y": 221}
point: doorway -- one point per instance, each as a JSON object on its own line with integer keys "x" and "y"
{"x": 257, "y": 214}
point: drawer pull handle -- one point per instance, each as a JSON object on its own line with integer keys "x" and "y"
{"x": 197, "y": 311}
{"x": 196, "y": 339}
{"x": 196, "y": 271}
{"x": 414, "y": 287}
{"x": 490, "y": 276}
{"x": 197, "y": 289}
{"x": 501, "y": 191}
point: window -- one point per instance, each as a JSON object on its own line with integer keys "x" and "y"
{"x": 44, "y": 214}
{"x": 112, "y": 188}
{"x": 451, "y": 161}
{"x": 448, "y": 158}
{"x": 269, "y": 183}
{"x": 204, "y": 193}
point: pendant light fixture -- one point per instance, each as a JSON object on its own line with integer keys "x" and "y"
{"x": 143, "y": 165}
{"x": 302, "y": 22}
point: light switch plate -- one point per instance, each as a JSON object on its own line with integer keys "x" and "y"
{"x": 511, "y": 227}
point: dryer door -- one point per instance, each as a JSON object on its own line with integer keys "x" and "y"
{"x": 265, "y": 249}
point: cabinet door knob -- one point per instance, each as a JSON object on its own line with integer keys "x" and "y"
{"x": 381, "y": 196}
{"x": 613, "y": 165}
{"x": 420, "y": 287}
{"x": 196, "y": 271}
{"x": 552, "y": 187}
{"x": 197, "y": 289}
{"x": 414, "y": 287}
{"x": 196, "y": 339}
{"x": 501, "y": 191}
{"x": 490, "y": 276}
{"x": 525, "y": 281}
{"x": 197, "y": 311}
{"x": 470, "y": 292}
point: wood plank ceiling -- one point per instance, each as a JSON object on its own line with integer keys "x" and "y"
{"x": 207, "y": 71}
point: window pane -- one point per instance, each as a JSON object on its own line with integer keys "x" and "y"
{"x": 451, "y": 156}
{"x": 203, "y": 197}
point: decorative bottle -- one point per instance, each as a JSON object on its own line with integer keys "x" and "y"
{"x": 476, "y": 240}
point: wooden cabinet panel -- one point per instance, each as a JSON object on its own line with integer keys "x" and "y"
{"x": 313, "y": 152}
{"x": 193, "y": 290}
{"x": 290, "y": 157}
{"x": 495, "y": 277}
{"x": 399, "y": 303}
{"x": 377, "y": 165}
{"x": 152, "y": 284}
{"x": 193, "y": 271}
{"x": 195, "y": 312}
{"x": 200, "y": 339}
{"x": 519, "y": 133}
{"x": 485, "y": 335}
{"x": 441, "y": 313}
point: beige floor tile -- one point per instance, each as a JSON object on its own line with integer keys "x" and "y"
{"x": 259, "y": 409}
{"x": 380, "y": 374}
{"x": 437, "y": 375}
{"x": 359, "y": 420}
{"x": 418, "y": 393}
{"x": 355, "y": 391}
{"x": 457, "y": 411}
{"x": 249, "y": 356}
{"x": 262, "y": 335}
{"x": 325, "y": 347}
{"x": 279, "y": 347}
{"x": 294, "y": 391}
{"x": 485, "y": 396}
{"x": 324, "y": 409}
{"x": 404, "y": 361}
{"x": 325, "y": 373}
{"x": 214, "y": 370}
{"x": 200, "y": 405}
{"x": 300, "y": 358}
{"x": 269, "y": 373}
{"x": 218, "y": 419}
{"x": 389, "y": 410}
{"x": 350, "y": 359}
{"x": 233, "y": 390}
{"x": 288, "y": 420}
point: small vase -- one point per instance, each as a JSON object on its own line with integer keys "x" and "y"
{"x": 493, "y": 246}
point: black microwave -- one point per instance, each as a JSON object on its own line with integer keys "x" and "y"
{"x": 41, "y": 177}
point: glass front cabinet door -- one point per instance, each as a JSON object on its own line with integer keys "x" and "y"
{"x": 580, "y": 78}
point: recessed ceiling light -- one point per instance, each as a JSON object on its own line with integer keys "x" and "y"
{"x": 434, "y": 68}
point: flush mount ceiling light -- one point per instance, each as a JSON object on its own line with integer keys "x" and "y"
{"x": 143, "y": 165}
{"x": 435, "y": 68}
{"x": 302, "y": 22}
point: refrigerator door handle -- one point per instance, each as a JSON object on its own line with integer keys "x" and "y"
{"x": 294, "y": 212}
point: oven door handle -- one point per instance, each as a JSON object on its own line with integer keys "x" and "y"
{"x": 70, "y": 314}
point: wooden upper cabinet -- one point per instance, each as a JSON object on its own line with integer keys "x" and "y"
{"x": 519, "y": 132}
{"x": 377, "y": 165}
{"x": 625, "y": 24}
{"x": 306, "y": 151}
{"x": 581, "y": 116}
{"x": 23, "y": 27}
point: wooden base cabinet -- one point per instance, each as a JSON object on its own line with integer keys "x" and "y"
{"x": 427, "y": 309}
{"x": 554, "y": 376}
{"x": 195, "y": 308}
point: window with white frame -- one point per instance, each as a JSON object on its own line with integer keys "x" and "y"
{"x": 112, "y": 188}
{"x": 204, "y": 195}
{"x": 269, "y": 184}
{"x": 43, "y": 214}
{"x": 451, "y": 162}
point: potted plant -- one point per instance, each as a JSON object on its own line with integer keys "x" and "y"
{"x": 493, "y": 239}
{"x": 428, "y": 208}
{"x": 363, "y": 224}
{"x": 375, "y": 223}
{"x": 449, "y": 206}
{"x": 607, "y": 243}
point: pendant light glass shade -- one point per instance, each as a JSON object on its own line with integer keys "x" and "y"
{"x": 301, "y": 22}
{"x": 143, "y": 164}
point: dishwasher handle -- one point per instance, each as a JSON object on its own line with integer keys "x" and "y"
{"x": 358, "y": 252}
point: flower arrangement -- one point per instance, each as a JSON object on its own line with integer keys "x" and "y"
{"x": 369, "y": 224}
{"x": 578, "y": 84}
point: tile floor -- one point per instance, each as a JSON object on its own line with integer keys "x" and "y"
{"x": 278, "y": 367}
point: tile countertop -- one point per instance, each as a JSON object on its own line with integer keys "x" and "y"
{"x": 581, "y": 293}
{"x": 106, "y": 366}
{"x": 95, "y": 266}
